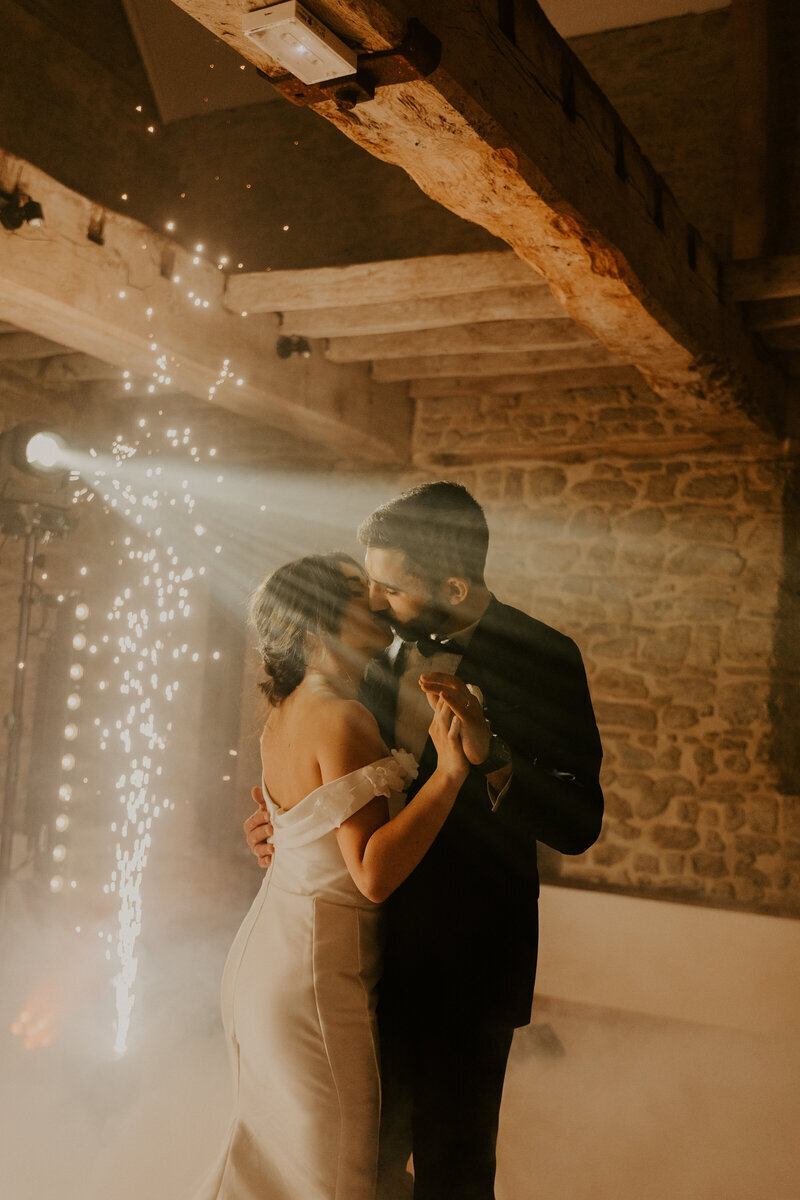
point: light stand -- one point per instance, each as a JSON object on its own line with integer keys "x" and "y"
{"x": 31, "y": 521}
{"x": 13, "y": 721}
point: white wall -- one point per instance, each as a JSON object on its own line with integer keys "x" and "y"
{"x": 726, "y": 969}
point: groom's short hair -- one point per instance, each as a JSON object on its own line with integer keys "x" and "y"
{"x": 440, "y": 528}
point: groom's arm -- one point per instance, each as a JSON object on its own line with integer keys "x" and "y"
{"x": 554, "y": 794}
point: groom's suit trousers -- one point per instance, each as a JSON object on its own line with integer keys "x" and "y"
{"x": 442, "y": 1087}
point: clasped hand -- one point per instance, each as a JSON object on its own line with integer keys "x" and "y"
{"x": 474, "y": 730}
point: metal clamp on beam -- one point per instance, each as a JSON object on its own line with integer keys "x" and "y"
{"x": 417, "y": 56}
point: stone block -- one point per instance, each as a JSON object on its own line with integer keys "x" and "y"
{"x": 642, "y": 554}
{"x": 791, "y": 816}
{"x": 704, "y": 651}
{"x": 709, "y": 866}
{"x": 669, "y": 759}
{"x": 553, "y": 558}
{"x": 674, "y": 863}
{"x": 643, "y": 522}
{"x": 600, "y": 555}
{"x": 634, "y": 758}
{"x": 714, "y": 842}
{"x": 763, "y": 816}
{"x": 743, "y": 703}
{"x": 621, "y": 683}
{"x": 629, "y": 716}
{"x": 647, "y": 863}
{"x": 624, "y": 832}
{"x": 605, "y": 491}
{"x": 514, "y": 484}
{"x": 735, "y": 815}
{"x": 619, "y": 648}
{"x": 737, "y": 763}
{"x": 706, "y": 560}
{"x": 724, "y": 893}
{"x": 667, "y": 648}
{"x": 712, "y": 485}
{"x": 748, "y": 641}
{"x": 679, "y": 716}
{"x": 542, "y": 482}
{"x": 616, "y": 807}
{"x": 675, "y": 837}
{"x": 756, "y": 844}
{"x": 704, "y": 758}
{"x": 608, "y": 856}
{"x": 660, "y": 488}
{"x": 704, "y": 528}
{"x": 689, "y": 812}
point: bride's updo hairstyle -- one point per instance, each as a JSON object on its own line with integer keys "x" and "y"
{"x": 307, "y": 596}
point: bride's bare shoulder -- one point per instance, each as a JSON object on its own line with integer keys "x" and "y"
{"x": 347, "y": 737}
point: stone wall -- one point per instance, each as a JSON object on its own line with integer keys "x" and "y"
{"x": 661, "y": 551}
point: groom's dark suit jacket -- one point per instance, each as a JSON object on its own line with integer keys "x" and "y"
{"x": 462, "y": 930}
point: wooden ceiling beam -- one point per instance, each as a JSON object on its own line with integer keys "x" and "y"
{"x": 391, "y": 281}
{"x": 529, "y": 363}
{"x": 515, "y": 136}
{"x": 541, "y": 382}
{"x": 764, "y": 278}
{"x": 25, "y": 347}
{"x": 773, "y": 314}
{"x": 130, "y": 297}
{"x": 438, "y": 312}
{"x": 492, "y": 337}
{"x": 65, "y": 370}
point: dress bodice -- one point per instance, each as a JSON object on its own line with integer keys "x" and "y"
{"x": 307, "y": 858}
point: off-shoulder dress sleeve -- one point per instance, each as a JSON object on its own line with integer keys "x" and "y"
{"x": 332, "y": 804}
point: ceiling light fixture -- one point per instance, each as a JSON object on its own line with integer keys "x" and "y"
{"x": 296, "y": 39}
{"x": 17, "y": 210}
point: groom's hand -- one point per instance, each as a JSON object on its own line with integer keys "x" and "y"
{"x": 258, "y": 828}
{"x": 475, "y": 732}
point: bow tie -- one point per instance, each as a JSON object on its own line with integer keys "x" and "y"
{"x": 432, "y": 645}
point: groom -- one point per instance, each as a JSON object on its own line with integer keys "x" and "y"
{"x": 462, "y": 931}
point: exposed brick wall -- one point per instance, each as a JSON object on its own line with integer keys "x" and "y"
{"x": 667, "y": 566}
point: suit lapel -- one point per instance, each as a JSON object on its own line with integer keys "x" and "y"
{"x": 380, "y": 687}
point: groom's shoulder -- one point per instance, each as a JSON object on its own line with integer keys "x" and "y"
{"x": 509, "y": 626}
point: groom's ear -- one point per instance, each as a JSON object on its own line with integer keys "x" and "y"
{"x": 456, "y": 590}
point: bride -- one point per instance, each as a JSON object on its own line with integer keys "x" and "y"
{"x": 298, "y": 991}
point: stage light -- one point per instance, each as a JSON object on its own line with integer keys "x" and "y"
{"x": 34, "y": 449}
{"x": 294, "y": 37}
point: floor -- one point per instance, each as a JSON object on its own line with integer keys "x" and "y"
{"x": 598, "y": 1106}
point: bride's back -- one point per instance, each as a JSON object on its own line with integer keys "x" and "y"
{"x": 294, "y": 738}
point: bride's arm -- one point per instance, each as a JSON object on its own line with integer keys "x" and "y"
{"x": 380, "y": 854}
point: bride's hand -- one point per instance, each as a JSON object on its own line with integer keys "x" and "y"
{"x": 445, "y": 732}
{"x": 258, "y": 828}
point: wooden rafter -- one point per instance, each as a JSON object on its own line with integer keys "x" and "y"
{"x": 491, "y": 337}
{"x": 437, "y": 312}
{"x": 131, "y": 298}
{"x": 519, "y": 139}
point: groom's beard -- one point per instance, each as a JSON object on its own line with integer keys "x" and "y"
{"x": 429, "y": 620}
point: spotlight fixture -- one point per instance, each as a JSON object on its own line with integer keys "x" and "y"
{"x": 17, "y": 210}
{"x": 296, "y": 39}
{"x": 33, "y": 449}
{"x": 287, "y": 346}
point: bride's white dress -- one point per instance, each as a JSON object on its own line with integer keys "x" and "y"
{"x": 298, "y": 1006}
